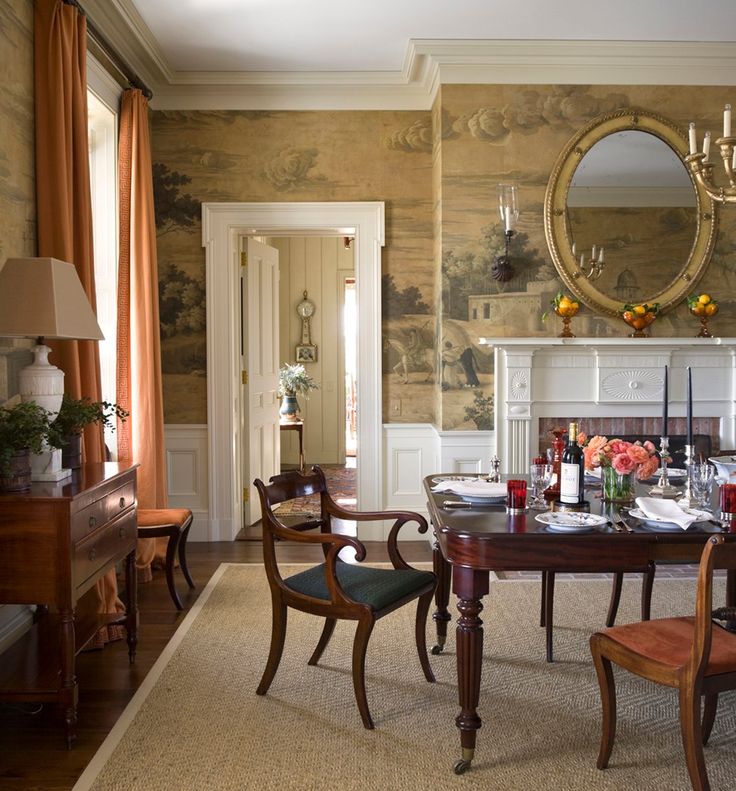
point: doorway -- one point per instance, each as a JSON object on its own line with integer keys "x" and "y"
{"x": 222, "y": 226}
{"x": 313, "y": 271}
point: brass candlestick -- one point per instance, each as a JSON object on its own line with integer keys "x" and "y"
{"x": 702, "y": 171}
{"x": 663, "y": 487}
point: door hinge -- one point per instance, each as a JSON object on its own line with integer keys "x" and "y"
{"x": 243, "y": 258}
{"x": 246, "y": 494}
{"x": 244, "y": 377}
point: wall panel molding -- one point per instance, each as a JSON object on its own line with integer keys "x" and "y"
{"x": 186, "y": 471}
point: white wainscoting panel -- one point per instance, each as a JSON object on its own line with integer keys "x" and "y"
{"x": 414, "y": 450}
{"x": 410, "y": 454}
{"x": 466, "y": 451}
{"x": 186, "y": 469}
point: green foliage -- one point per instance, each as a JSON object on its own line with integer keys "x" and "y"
{"x": 181, "y": 302}
{"x": 23, "y": 426}
{"x": 395, "y": 303}
{"x": 294, "y": 380}
{"x": 481, "y": 412}
{"x": 78, "y": 413}
{"x": 171, "y": 208}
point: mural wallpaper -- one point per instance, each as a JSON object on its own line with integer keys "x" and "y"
{"x": 17, "y": 187}
{"x": 437, "y": 173}
{"x": 291, "y": 156}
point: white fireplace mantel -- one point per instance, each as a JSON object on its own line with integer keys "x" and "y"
{"x": 605, "y": 377}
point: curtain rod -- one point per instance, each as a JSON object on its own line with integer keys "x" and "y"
{"x": 115, "y": 57}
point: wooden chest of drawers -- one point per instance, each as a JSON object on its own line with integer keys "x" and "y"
{"x": 56, "y": 541}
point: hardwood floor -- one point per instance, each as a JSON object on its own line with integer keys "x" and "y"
{"x": 33, "y": 754}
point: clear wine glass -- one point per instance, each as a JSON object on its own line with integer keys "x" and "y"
{"x": 540, "y": 476}
{"x": 702, "y": 476}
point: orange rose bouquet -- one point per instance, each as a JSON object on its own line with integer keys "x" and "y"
{"x": 624, "y": 457}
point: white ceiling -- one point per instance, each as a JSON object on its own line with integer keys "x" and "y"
{"x": 372, "y": 35}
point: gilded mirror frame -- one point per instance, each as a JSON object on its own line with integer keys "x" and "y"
{"x": 555, "y": 214}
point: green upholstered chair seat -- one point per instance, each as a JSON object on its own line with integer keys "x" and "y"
{"x": 378, "y": 588}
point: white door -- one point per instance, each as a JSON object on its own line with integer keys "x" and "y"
{"x": 259, "y": 300}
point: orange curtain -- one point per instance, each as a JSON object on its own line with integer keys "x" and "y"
{"x": 64, "y": 210}
{"x": 64, "y": 215}
{"x": 141, "y": 437}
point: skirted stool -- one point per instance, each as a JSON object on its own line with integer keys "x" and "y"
{"x": 174, "y": 523}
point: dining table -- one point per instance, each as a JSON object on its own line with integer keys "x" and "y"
{"x": 472, "y": 540}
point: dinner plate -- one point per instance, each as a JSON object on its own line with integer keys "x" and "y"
{"x": 442, "y": 478}
{"x": 661, "y": 524}
{"x": 478, "y": 500}
{"x": 674, "y": 474}
{"x": 567, "y": 522}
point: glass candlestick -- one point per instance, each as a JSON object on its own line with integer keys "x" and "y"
{"x": 688, "y": 499}
{"x": 663, "y": 487}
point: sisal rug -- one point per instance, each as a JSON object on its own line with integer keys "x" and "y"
{"x": 197, "y": 724}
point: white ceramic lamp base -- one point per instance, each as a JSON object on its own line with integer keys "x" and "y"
{"x": 46, "y": 466}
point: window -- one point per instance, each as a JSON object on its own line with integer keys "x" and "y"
{"x": 103, "y": 99}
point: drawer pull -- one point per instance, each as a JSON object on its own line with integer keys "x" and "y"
{"x": 122, "y": 532}
{"x": 93, "y": 553}
{"x": 122, "y": 502}
{"x": 92, "y": 521}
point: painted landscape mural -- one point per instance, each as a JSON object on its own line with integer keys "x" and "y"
{"x": 437, "y": 173}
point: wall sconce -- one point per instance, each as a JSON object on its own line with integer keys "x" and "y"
{"x": 502, "y": 270}
{"x": 702, "y": 168}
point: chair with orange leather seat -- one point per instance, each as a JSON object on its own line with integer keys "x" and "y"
{"x": 691, "y": 654}
{"x": 337, "y": 589}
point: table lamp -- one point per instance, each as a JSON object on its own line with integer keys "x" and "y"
{"x": 44, "y": 298}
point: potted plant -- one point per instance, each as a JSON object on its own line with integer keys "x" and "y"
{"x": 293, "y": 380}
{"x": 74, "y": 416}
{"x": 23, "y": 429}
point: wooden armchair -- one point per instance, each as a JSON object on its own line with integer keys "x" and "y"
{"x": 693, "y": 655}
{"x": 336, "y": 589}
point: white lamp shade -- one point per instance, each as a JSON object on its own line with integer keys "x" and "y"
{"x": 43, "y": 297}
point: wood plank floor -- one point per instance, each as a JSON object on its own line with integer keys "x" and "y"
{"x": 33, "y": 754}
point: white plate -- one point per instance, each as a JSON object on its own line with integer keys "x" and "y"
{"x": 441, "y": 478}
{"x": 477, "y": 500}
{"x": 661, "y": 524}
{"x": 674, "y": 474}
{"x": 566, "y": 522}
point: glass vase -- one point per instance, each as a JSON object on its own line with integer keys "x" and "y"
{"x": 617, "y": 487}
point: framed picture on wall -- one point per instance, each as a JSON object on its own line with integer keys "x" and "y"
{"x": 306, "y": 354}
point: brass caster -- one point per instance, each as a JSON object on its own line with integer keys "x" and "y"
{"x": 461, "y": 766}
{"x": 436, "y": 650}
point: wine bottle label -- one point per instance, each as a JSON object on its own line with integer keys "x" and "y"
{"x": 569, "y": 483}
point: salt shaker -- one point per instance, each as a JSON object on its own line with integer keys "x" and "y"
{"x": 494, "y": 476}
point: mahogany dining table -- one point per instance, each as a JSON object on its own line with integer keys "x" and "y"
{"x": 472, "y": 542}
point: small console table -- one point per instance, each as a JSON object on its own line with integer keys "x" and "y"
{"x": 298, "y": 426}
{"x": 56, "y": 542}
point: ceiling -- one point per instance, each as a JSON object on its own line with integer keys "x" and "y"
{"x": 357, "y": 35}
{"x": 393, "y": 53}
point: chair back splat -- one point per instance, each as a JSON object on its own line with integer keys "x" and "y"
{"x": 339, "y": 588}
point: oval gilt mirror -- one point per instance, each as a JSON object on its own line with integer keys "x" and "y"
{"x": 621, "y": 185}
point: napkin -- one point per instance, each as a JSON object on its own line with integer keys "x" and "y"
{"x": 665, "y": 511}
{"x": 594, "y": 473}
{"x": 472, "y": 488}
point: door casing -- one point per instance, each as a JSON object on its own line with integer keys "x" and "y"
{"x": 222, "y": 226}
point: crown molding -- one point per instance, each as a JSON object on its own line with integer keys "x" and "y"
{"x": 428, "y": 63}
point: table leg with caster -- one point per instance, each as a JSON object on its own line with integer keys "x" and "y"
{"x": 441, "y": 616}
{"x": 469, "y": 586}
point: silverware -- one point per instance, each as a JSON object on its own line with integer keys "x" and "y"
{"x": 455, "y": 504}
{"x": 623, "y": 523}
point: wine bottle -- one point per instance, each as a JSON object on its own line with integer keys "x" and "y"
{"x": 572, "y": 470}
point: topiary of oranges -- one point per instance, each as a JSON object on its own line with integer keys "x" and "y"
{"x": 702, "y": 305}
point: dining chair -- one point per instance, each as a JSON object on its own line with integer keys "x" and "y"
{"x": 174, "y": 524}
{"x": 546, "y": 610}
{"x": 338, "y": 589}
{"x": 691, "y": 654}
